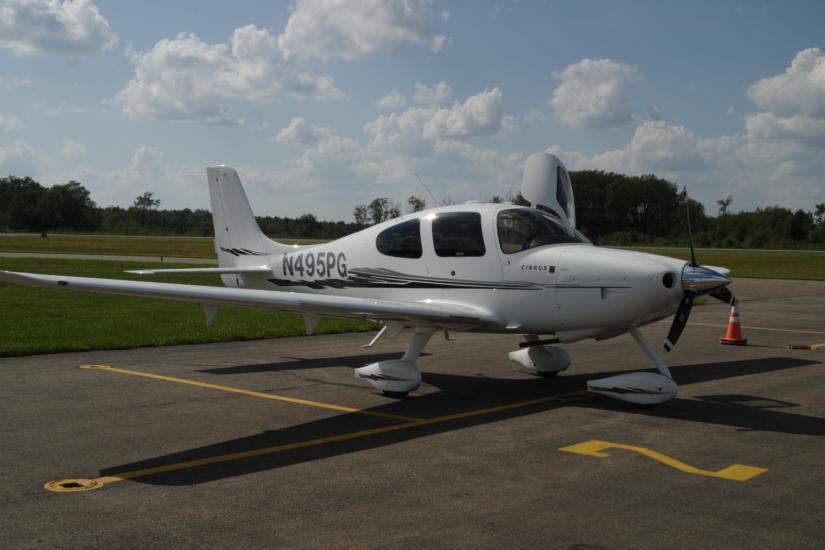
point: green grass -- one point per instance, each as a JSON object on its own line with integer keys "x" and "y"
{"x": 765, "y": 264}
{"x": 184, "y": 247}
{"x": 36, "y": 320}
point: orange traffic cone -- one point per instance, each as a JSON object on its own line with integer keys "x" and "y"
{"x": 734, "y": 335}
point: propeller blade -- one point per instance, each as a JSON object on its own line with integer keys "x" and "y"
{"x": 724, "y": 295}
{"x": 679, "y": 322}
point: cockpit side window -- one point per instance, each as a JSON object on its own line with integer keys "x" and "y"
{"x": 522, "y": 229}
{"x": 458, "y": 234}
{"x": 402, "y": 240}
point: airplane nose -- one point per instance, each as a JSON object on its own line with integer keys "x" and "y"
{"x": 701, "y": 280}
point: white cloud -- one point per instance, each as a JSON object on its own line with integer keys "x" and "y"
{"x": 58, "y": 110}
{"x": 593, "y": 94}
{"x": 18, "y": 159}
{"x": 393, "y": 100}
{"x": 800, "y": 128}
{"x": 432, "y": 95}
{"x": 777, "y": 159}
{"x": 73, "y": 150}
{"x": 300, "y": 131}
{"x": 10, "y": 123}
{"x": 479, "y": 115}
{"x": 187, "y": 79}
{"x": 655, "y": 146}
{"x": 70, "y": 28}
{"x": 800, "y": 90}
{"x": 11, "y": 82}
{"x": 326, "y": 29}
{"x": 534, "y": 117}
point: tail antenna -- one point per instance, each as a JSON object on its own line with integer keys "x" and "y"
{"x": 435, "y": 201}
{"x": 690, "y": 231}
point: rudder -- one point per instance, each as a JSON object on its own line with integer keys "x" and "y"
{"x": 237, "y": 233}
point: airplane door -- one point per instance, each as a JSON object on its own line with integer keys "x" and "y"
{"x": 537, "y": 267}
{"x": 460, "y": 248}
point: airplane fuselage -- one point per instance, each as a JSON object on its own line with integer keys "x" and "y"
{"x": 571, "y": 289}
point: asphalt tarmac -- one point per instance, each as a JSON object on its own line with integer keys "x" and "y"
{"x": 273, "y": 443}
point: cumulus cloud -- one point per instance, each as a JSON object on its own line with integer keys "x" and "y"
{"x": 10, "y": 123}
{"x": 432, "y": 95}
{"x": 593, "y": 94}
{"x": 18, "y": 159}
{"x": 479, "y": 115}
{"x": 73, "y": 150}
{"x": 70, "y": 28}
{"x": 326, "y": 29}
{"x": 655, "y": 146}
{"x": 800, "y": 90}
{"x": 393, "y": 100}
{"x": 777, "y": 158}
{"x": 300, "y": 131}
{"x": 58, "y": 110}
{"x": 187, "y": 79}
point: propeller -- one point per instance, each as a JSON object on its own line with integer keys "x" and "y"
{"x": 696, "y": 281}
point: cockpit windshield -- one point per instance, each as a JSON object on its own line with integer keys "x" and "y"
{"x": 521, "y": 229}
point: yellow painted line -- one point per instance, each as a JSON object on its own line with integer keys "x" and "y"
{"x": 251, "y": 393}
{"x": 807, "y": 346}
{"x": 735, "y": 472}
{"x": 90, "y": 484}
{"x": 750, "y": 327}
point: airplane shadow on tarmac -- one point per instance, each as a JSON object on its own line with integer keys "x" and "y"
{"x": 466, "y": 393}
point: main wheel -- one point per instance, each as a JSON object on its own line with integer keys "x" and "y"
{"x": 547, "y": 374}
{"x": 395, "y": 394}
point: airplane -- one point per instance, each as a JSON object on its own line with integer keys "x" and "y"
{"x": 477, "y": 267}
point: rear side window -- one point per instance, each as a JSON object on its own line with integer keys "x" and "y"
{"x": 402, "y": 240}
{"x": 458, "y": 234}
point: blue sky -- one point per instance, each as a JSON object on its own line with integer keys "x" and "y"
{"x": 324, "y": 104}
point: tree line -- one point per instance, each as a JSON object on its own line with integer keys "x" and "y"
{"x": 611, "y": 209}
{"x": 27, "y": 206}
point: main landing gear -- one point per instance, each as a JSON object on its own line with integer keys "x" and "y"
{"x": 643, "y": 389}
{"x": 397, "y": 377}
{"x": 540, "y": 359}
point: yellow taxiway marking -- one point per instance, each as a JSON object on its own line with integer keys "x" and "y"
{"x": 735, "y": 472}
{"x": 251, "y": 393}
{"x": 96, "y": 483}
{"x": 750, "y": 327}
{"x": 807, "y": 346}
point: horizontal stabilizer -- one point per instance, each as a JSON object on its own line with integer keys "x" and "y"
{"x": 212, "y": 270}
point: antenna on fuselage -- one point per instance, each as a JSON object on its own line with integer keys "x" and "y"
{"x": 690, "y": 230}
{"x": 435, "y": 201}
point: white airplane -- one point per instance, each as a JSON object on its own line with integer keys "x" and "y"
{"x": 479, "y": 267}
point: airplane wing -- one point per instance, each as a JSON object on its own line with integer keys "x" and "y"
{"x": 440, "y": 314}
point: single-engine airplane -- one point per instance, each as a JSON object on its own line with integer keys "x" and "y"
{"x": 480, "y": 267}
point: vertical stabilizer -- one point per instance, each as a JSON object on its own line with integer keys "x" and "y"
{"x": 237, "y": 234}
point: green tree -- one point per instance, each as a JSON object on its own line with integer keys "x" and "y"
{"x": 360, "y": 214}
{"x": 382, "y": 209}
{"x": 415, "y": 204}
{"x": 724, "y": 204}
{"x": 146, "y": 201}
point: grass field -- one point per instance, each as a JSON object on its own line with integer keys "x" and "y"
{"x": 764, "y": 264}
{"x": 184, "y": 247}
{"x": 48, "y": 321}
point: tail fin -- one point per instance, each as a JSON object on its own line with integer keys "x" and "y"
{"x": 236, "y": 232}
